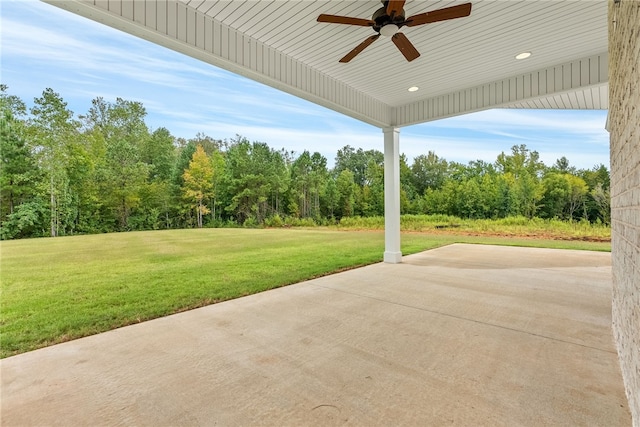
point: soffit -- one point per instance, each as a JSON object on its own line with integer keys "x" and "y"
{"x": 455, "y": 54}
{"x": 467, "y": 64}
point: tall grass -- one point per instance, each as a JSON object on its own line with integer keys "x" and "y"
{"x": 511, "y": 226}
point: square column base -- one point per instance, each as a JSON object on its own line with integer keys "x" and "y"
{"x": 393, "y": 257}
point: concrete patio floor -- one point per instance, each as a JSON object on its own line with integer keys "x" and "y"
{"x": 461, "y": 335}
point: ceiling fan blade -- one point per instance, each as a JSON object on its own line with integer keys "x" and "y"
{"x": 452, "y": 12}
{"x": 394, "y": 7}
{"x": 405, "y": 47}
{"x": 334, "y": 19}
{"x": 362, "y": 46}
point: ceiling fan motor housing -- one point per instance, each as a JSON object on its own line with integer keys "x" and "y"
{"x": 381, "y": 18}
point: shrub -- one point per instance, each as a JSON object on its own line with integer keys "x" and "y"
{"x": 299, "y": 222}
{"x": 251, "y": 223}
{"x": 274, "y": 221}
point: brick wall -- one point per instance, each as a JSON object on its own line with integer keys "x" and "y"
{"x": 624, "y": 127}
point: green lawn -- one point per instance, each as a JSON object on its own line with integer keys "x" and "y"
{"x": 54, "y": 290}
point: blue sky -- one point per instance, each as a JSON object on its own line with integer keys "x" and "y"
{"x": 43, "y": 46}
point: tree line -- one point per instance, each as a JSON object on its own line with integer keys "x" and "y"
{"x": 106, "y": 171}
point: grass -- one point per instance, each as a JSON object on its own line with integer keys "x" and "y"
{"x": 55, "y": 290}
{"x": 507, "y": 227}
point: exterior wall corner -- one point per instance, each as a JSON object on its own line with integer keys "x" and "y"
{"x": 624, "y": 128}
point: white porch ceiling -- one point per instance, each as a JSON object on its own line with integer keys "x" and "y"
{"x": 467, "y": 64}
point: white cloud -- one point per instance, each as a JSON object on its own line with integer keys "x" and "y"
{"x": 587, "y": 123}
{"x": 97, "y": 56}
{"x": 298, "y": 140}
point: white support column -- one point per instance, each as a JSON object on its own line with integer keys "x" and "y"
{"x": 392, "y": 253}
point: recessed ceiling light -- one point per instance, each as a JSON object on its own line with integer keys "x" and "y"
{"x": 523, "y": 55}
{"x": 413, "y": 88}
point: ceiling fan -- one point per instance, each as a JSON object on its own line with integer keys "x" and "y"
{"x": 389, "y": 19}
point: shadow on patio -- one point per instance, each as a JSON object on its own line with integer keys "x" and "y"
{"x": 462, "y": 335}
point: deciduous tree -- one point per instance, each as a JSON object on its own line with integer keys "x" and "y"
{"x": 429, "y": 171}
{"x": 53, "y": 132}
{"x": 198, "y": 182}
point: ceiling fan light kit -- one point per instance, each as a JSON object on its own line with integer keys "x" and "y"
{"x": 389, "y": 19}
{"x": 389, "y": 30}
